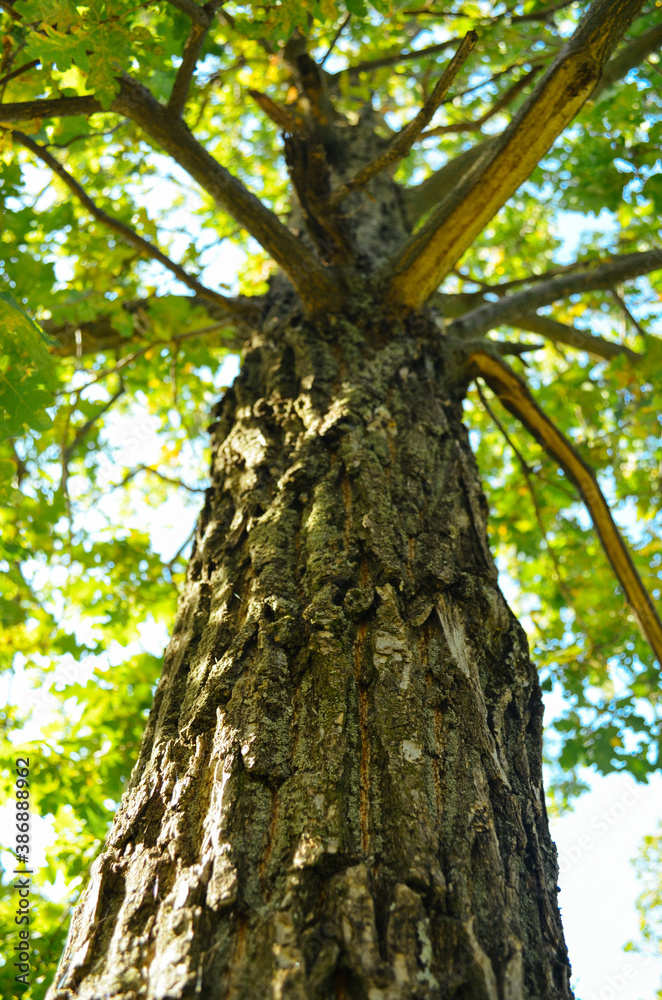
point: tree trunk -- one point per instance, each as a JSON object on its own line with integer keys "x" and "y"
{"x": 339, "y": 794}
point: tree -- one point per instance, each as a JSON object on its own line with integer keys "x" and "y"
{"x": 339, "y": 790}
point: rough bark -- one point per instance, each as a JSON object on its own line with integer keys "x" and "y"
{"x": 339, "y": 793}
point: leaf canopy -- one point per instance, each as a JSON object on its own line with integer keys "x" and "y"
{"x": 109, "y": 363}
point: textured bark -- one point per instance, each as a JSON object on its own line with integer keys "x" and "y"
{"x": 339, "y": 793}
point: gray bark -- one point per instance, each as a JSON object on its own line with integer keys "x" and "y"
{"x": 339, "y": 793}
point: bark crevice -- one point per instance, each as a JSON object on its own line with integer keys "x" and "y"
{"x": 339, "y": 793}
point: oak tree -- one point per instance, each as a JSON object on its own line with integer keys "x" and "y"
{"x": 339, "y": 791}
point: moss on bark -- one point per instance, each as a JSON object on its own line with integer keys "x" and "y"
{"x": 339, "y": 793}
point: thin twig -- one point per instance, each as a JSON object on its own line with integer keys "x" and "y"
{"x": 408, "y": 136}
{"x": 371, "y": 65}
{"x": 85, "y": 135}
{"x": 181, "y": 548}
{"x": 528, "y": 473}
{"x": 499, "y": 105}
{"x": 85, "y": 428}
{"x": 337, "y": 35}
{"x": 160, "y": 475}
{"x": 67, "y": 451}
{"x": 624, "y": 306}
{"x": 128, "y": 358}
{"x": 20, "y": 69}
{"x": 124, "y": 231}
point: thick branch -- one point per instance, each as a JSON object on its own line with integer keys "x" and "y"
{"x": 4, "y": 5}
{"x": 125, "y": 232}
{"x": 517, "y": 399}
{"x": 197, "y": 14}
{"x": 278, "y": 113}
{"x": 405, "y": 139}
{"x": 581, "y": 340}
{"x": 430, "y": 254}
{"x": 428, "y": 193}
{"x": 57, "y": 107}
{"x": 477, "y": 322}
{"x": 314, "y": 284}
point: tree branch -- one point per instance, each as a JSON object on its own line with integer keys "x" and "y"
{"x": 99, "y": 334}
{"x": 406, "y": 138}
{"x": 475, "y": 126}
{"x": 26, "y": 67}
{"x": 629, "y": 57}
{"x": 332, "y": 45}
{"x": 190, "y": 56}
{"x": 7, "y": 7}
{"x": 424, "y": 196}
{"x": 57, "y": 107}
{"x": 517, "y": 399}
{"x": 197, "y": 14}
{"x": 477, "y": 322}
{"x": 85, "y": 428}
{"x": 125, "y": 232}
{"x": 192, "y": 48}
{"x": 430, "y": 254}
{"x": 278, "y": 113}
{"x": 315, "y": 284}
{"x": 67, "y": 451}
{"x": 581, "y": 340}
{"x": 541, "y": 15}
{"x": 429, "y": 192}
{"x": 528, "y": 473}
{"x": 160, "y": 475}
{"x": 371, "y": 65}
{"x": 628, "y": 315}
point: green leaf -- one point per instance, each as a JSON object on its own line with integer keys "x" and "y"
{"x": 27, "y": 372}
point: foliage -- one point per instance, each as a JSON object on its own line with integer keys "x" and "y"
{"x": 648, "y": 865}
{"x": 27, "y": 378}
{"x": 94, "y": 441}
